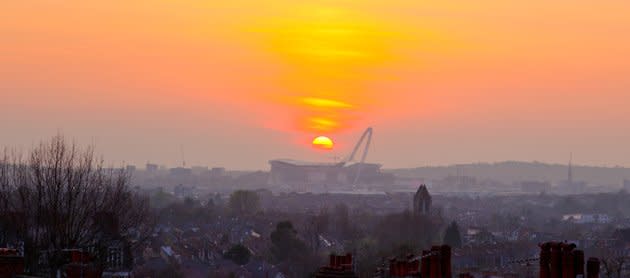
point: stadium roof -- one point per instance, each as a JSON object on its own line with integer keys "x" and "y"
{"x": 305, "y": 163}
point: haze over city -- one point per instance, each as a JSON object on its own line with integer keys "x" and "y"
{"x": 237, "y": 83}
{"x": 314, "y": 138}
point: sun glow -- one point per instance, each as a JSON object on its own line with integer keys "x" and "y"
{"x": 330, "y": 52}
{"x": 325, "y": 103}
{"x": 323, "y": 143}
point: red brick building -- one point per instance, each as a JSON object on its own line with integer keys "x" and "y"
{"x": 11, "y": 264}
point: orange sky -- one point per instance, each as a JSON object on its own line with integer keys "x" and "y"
{"x": 242, "y": 82}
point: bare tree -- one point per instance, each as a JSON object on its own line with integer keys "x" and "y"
{"x": 56, "y": 194}
{"x": 614, "y": 265}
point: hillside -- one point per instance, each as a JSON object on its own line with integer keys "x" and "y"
{"x": 513, "y": 171}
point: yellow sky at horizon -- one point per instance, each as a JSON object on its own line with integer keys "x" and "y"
{"x": 331, "y": 67}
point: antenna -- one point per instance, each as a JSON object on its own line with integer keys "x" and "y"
{"x": 181, "y": 148}
{"x": 570, "y": 176}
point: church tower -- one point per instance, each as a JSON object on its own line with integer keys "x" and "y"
{"x": 422, "y": 201}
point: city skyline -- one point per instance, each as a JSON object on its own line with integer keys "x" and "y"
{"x": 317, "y": 138}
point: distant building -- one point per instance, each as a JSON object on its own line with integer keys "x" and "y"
{"x": 460, "y": 182}
{"x": 182, "y": 191}
{"x": 571, "y": 186}
{"x": 152, "y": 167}
{"x": 422, "y": 201}
{"x": 622, "y": 235}
{"x": 570, "y": 172}
{"x": 535, "y": 187}
{"x": 117, "y": 259}
{"x": 199, "y": 170}
{"x": 587, "y": 218}
{"x": 180, "y": 171}
{"x": 292, "y": 173}
{"x": 131, "y": 168}
{"x": 217, "y": 172}
{"x": 252, "y": 180}
{"x": 285, "y": 172}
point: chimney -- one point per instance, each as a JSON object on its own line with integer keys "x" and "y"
{"x": 392, "y": 268}
{"x": 545, "y": 260}
{"x": 445, "y": 253}
{"x": 568, "y": 267}
{"x": 347, "y": 261}
{"x": 425, "y": 268}
{"x": 578, "y": 256}
{"x": 562, "y": 260}
{"x": 592, "y": 268}
{"x": 436, "y": 269}
{"x": 399, "y": 268}
{"x": 416, "y": 266}
{"x": 402, "y": 268}
{"x": 556, "y": 260}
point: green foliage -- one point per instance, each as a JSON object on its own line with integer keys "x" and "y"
{"x": 452, "y": 236}
{"x": 285, "y": 243}
{"x": 244, "y": 202}
{"x": 239, "y": 254}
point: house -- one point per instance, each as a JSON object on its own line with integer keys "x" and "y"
{"x": 580, "y": 218}
{"x": 338, "y": 267}
{"x": 11, "y": 263}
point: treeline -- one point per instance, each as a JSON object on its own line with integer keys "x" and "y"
{"x": 57, "y": 195}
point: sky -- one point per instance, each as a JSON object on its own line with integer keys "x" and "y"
{"x": 237, "y": 83}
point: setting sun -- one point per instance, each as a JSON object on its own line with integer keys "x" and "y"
{"x": 323, "y": 142}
